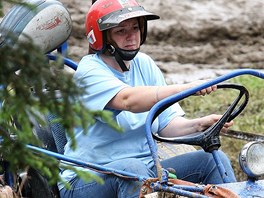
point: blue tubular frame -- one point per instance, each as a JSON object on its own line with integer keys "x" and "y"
{"x": 153, "y": 113}
{"x": 91, "y": 166}
{"x": 189, "y": 191}
{"x": 72, "y": 64}
{"x": 186, "y": 191}
{"x": 220, "y": 166}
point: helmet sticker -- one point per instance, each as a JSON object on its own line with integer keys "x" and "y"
{"x": 131, "y": 14}
{"x": 91, "y": 38}
{"x": 125, "y": 3}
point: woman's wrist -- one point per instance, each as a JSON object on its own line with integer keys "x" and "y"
{"x": 157, "y": 94}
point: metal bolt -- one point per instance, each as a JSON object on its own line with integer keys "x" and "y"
{"x": 144, "y": 190}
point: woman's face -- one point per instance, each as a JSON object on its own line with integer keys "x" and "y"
{"x": 126, "y": 35}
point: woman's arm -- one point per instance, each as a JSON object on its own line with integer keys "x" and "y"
{"x": 142, "y": 98}
{"x": 180, "y": 126}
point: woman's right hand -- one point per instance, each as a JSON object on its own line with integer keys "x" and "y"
{"x": 202, "y": 92}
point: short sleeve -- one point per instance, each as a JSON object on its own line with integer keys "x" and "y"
{"x": 154, "y": 76}
{"x": 99, "y": 82}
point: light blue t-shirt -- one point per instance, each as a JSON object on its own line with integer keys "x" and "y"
{"x": 103, "y": 144}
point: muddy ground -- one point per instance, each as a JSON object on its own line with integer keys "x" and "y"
{"x": 193, "y": 39}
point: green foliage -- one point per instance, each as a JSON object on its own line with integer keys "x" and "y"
{"x": 253, "y": 117}
{"x": 1, "y": 8}
{"x": 31, "y": 87}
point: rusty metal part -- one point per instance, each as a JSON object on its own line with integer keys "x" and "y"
{"x": 243, "y": 135}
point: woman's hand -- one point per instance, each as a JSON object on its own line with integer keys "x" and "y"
{"x": 209, "y": 120}
{"x": 202, "y": 92}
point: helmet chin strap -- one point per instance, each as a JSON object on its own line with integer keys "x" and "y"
{"x": 121, "y": 55}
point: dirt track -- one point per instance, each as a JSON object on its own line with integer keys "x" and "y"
{"x": 193, "y": 39}
{"x": 200, "y": 38}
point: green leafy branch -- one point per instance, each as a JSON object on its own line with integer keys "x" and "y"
{"x": 32, "y": 86}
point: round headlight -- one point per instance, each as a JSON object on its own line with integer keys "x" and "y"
{"x": 251, "y": 159}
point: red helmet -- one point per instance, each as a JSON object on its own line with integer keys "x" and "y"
{"x": 106, "y": 14}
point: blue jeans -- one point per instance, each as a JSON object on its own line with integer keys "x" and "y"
{"x": 197, "y": 167}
